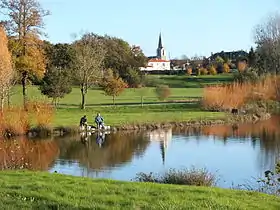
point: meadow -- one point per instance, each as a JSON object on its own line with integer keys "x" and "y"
{"x": 128, "y": 109}
{"x": 17, "y": 192}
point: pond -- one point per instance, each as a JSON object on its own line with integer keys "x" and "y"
{"x": 237, "y": 154}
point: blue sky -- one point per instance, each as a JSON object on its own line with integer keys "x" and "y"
{"x": 190, "y": 27}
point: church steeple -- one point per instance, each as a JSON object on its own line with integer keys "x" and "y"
{"x": 160, "y": 42}
{"x": 160, "y": 49}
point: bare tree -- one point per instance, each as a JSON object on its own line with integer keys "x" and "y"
{"x": 267, "y": 37}
{"x": 24, "y": 24}
{"x": 6, "y": 69}
{"x": 90, "y": 54}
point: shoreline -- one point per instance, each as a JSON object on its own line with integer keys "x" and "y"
{"x": 43, "y": 131}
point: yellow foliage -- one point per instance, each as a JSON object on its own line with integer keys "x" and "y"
{"x": 189, "y": 70}
{"x": 212, "y": 70}
{"x": 202, "y": 71}
{"x": 29, "y": 58}
{"x": 226, "y": 68}
{"x": 241, "y": 66}
{"x": 6, "y": 70}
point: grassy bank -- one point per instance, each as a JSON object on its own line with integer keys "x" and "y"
{"x": 53, "y": 191}
{"x": 123, "y": 115}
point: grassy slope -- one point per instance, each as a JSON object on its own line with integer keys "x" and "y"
{"x": 36, "y": 190}
{"x": 121, "y": 115}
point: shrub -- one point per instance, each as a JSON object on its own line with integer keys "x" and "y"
{"x": 189, "y": 71}
{"x": 269, "y": 184}
{"x": 163, "y": 92}
{"x": 151, "y": 82}
{"x": 241, "y": 65}
{"x": 226, "y": 68}
{"x": 16, "y": 121}
{"x": 212, "y": 70}
{"x": 200, "y": 177}
{"x": 249, "y": 75}
{"x": 202, "y": 71}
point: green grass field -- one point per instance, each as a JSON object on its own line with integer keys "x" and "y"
{"x": 122, "y": 115}
{"x": 183, "y": 81}
{"x": 182, "y": 88}
{"x": 37, "y": 190}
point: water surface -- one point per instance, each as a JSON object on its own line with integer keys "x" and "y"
{"x": 235, "y": 153}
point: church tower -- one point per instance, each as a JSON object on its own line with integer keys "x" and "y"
{"x": 160, "y": 49}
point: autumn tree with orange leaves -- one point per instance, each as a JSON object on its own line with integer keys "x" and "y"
{"x": 113, "y": 85}
{"x": 24, "y": 24}
{"x": 6, "y": 69}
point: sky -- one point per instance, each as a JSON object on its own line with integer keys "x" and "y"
{"x": 188, "y": 27}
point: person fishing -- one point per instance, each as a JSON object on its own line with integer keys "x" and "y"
{"x": 83, "y": 121}
{"x": 99, "y": 121}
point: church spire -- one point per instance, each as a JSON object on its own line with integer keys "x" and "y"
{"x": 160, "y": 42}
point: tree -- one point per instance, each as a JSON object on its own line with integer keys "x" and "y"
{"x": 252, "y": 58}
{"x": 121, "y": 57}
{"x": 60, "y": 56}
{"x": 212, "y": 70}
{"x": 163, "y": 92}
{"x": 226, "y": 68}
{"x": 24, "y": 24}
{"x": 56, "y": 84}
{"x": 267, "y": 38}
{"x": 133, "y": 78}
{"x": 6, "y": 70}
{"x": 219, "y": 60}
{"x": 89, "y": 62}
{"x": 113, "y": 85}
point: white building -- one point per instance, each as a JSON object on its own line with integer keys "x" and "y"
{"x": 158, "y": 62}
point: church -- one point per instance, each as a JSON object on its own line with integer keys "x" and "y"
{"x": 158, "y": 62}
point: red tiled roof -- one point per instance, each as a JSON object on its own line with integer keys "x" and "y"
{"x": 158, "y": 60}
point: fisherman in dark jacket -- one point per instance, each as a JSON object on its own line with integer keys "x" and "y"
{"x": 83, "y": 121}
{"x": 99, "y": 121}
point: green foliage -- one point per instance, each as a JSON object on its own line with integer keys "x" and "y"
{"x": 121, "y": 57}
{"x": 195, "y": 177}
{"x": 59, "y": 55}
{"x": 219, "y": 60}
{"x": 56, "y": 84}
{"x": 163, "y": 92}
{"x": 249, "y": 75}
{"x": 252, "y": 58}
{"x": 133, "y": 78}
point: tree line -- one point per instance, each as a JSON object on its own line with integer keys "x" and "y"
{"x": 95, "y": 60}
{"x": 91, "y": 60}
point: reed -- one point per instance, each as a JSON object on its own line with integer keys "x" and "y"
{"x": 15, "y": 121}
{"x": 236, "y": 95}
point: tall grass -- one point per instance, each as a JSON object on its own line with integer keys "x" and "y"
{"x": 236, "y": 95}
{"x": 195, "y": 177}
{"x": 16, "y": 120}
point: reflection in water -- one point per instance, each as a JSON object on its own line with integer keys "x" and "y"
{"x": 163, "y": 137}
{"x": 22, "y": 153}
{"x": 237, "y": 152}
